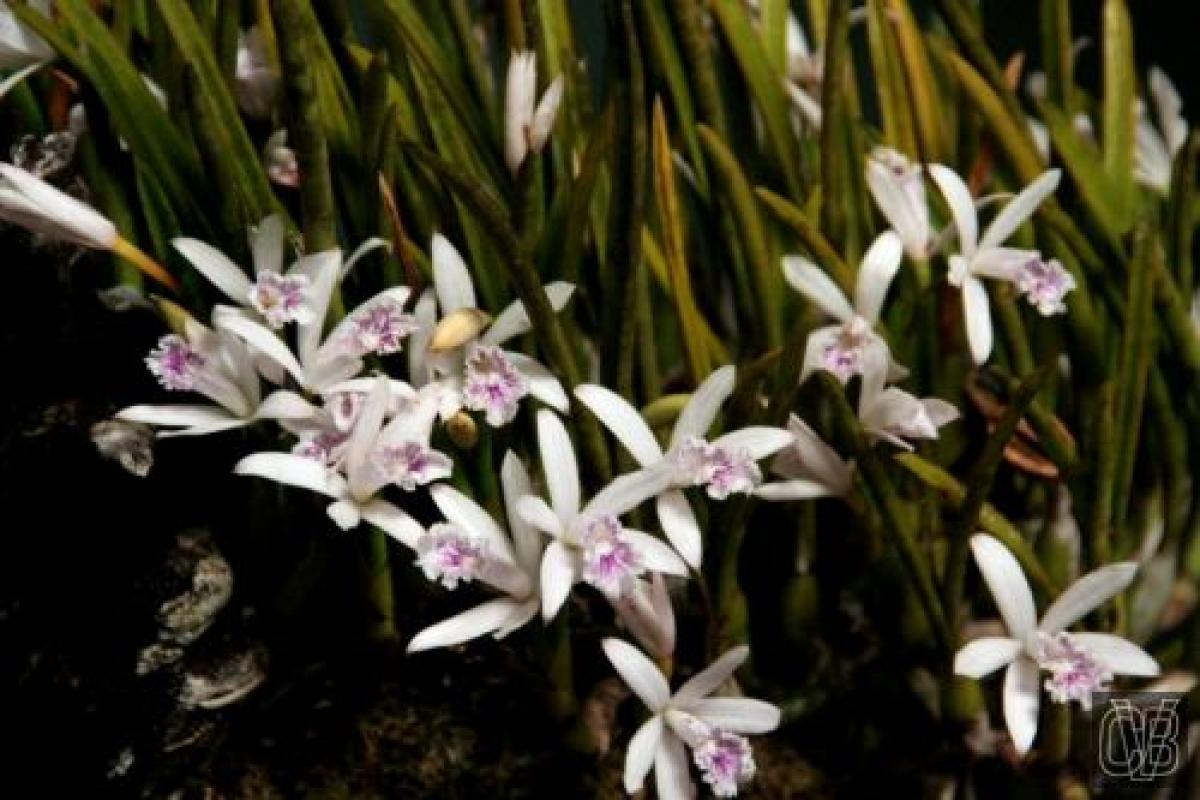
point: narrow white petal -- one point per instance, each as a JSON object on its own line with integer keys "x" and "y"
{"x": 639, "y": 755}
{"x": 875, "y": 275}
{"x": 175, "y": 416}
{"x": 266, "y": 244}
{"x": 204, "y": 430}
{"x": 639, "y": 673}
{"x": 712, "y": 677}
{"x": 796, "y": 489}
{"x": 479, "y": 621}
{"x": 344, "y": 514}
{"x": 962, "y": 206}
{"x": 680, "y": 526}
{"x": 216, "y": 267}
{"x": 898, "y": 208}
{"x": 701, "y": 409}
{"x": 984, "y": 656}
{"x": 977, "y": 315}
{"x": 737, "y": 714}
{"x": 515, "y": 483}
{"x": 1022, "y": 697}
{"x": 514, "y": 320}
{"x": 657, "y": 555}
{"x": 542, "y": 382}
{"x": 285, "y": 405}
{"x": 392, "y": 521}
{"x": 363, "y": 438}
{"x": 558, "y": 465}
{"x": 10, "y": 82}
{"x": 630, "y": 490}
{"x": 1019, "y": 209}
{"x": 761, "y": 441}
{"x": 1007, "y": 583}
{"x": 538, "y": 514}
{"x": 289, "y": 469}
{"x": 467, "y": 514}
{"x": 263, "y": 340}
{"x": 811, "y": 281}
{"x": 558, "y": 574}
{"x": 1087, "y": 594}
{"x": 367, "y": 247}
{"x": 623, "y": 421}
{"x": 545, "y": 114}
{"x": 451, "y": 280}
{"x": 520, "y": 89}
{"x": 1120, "y": 655}
{"x": 671, "y": 776}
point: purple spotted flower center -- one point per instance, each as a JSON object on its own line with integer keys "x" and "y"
{"x": 609, "y": 561}
{"x": 175, "y": 363}
{"x": 843, "y": 356}
{"x": 412, "y": 464}
{"x": 1044, "y": 284}
{"x": 324, "y": 447}
{"x": 1074, "y": 671}
{"x": 448, "y": 555}
{"x": 381, "y": 328}
{"x": 721, "y": 470}
{"x": 281, "y": 298}
{"x": 725, "y": 761}
{"x": 493, "y": 385}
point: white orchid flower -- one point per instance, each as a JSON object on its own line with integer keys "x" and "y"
{"x": 1044, "y": 283}
{"x": 376, "y": 455}
{"x": 713, "y": 728}
{"x": 273, "y": 297}
{"x": 472, "y": 545}
{"x": 220, "y": 367}
{"x": 379, "y": 325}
{"x": 527, "y": 122}
{"x": 1157, "y": 146}
{"x": 898, "y": 188}
{"x": 32, "y": 203}
{"x": 841, "y": 349}
{"x": 590, "y": 544}
{"x": 810, "y": 468}
{"x": 256, "y": 83}
{"x": 894, "y": 415}
{"x": 724, "y": 466}
{"x": 473, "y": 370}
{"x": 1078, "y": 663}
{"x": 325, "y": 436}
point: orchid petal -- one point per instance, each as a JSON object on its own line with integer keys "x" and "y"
{"x": 451, "y": 280}
{"x": 559, "y": 572}
{"x": 639, "y": 673}
{"x": 1022, "y": 697}
{"x": 761, "y": 441}
{"x": 1007, "y": 583}
{"x": 216, "y": 267}
{"x": 898, "y": 208}
{"x": 985, "y": 655}
{"x": 811, "y": 281}
{"x": 479, "y": 621}
{"x": 392, "y": 521}
{"x": 795, "y": 489}
{"x": 558, "y": 465}
{"x": 542, "y": 382}
{"x": 539, "y": 515}
{"x": 1020, "y": 209}
{"x": 291, "y": 470}
{"x": 875, "y": 275}
{"x": 680, "y": 526}
{"x": 977, "y": 315}
{"x": 737, "y": 714}
{"x": 284, "y": 405}
{"x": 962, "y": 207}
{"x": 701, "y": 409}
{"x": 360, "y": 252}
{"x": 266, "y": 244}
{"x": 656, "y": 555}
{"x": 515, "y": 483}
{"x": 1120, "y": 655}
{"x": 628, "y": 491}
{"x": 467, "y": 514}
{"x": 639, "y": 755}
{"x": 1086, "y": 595}
{"x": 514, "y": 320}
{"x": 175, "y": 416}
{"x": 671, "y": 777}
{"x": 264, "y": 341}
{"x": 545, "y": 114}
{"x": 712, "y": 677}
{"x": 623, "y": 421}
